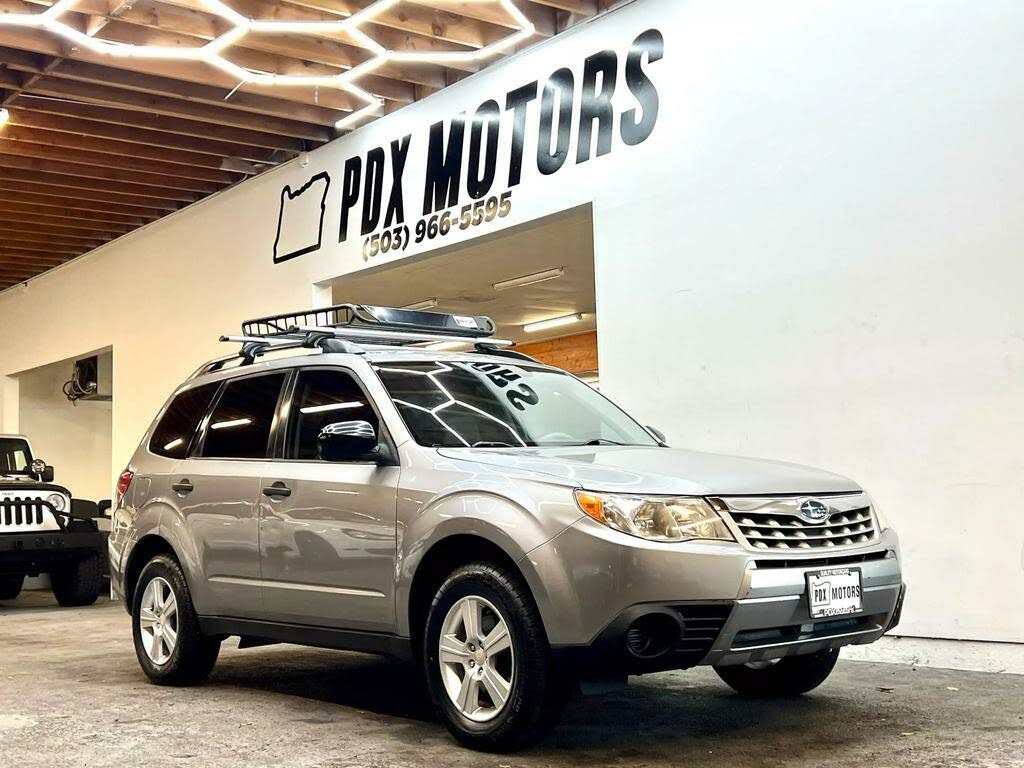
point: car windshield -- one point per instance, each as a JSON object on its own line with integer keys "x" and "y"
{"x": 485, "y": 404}
{"x": 15, "y": 456}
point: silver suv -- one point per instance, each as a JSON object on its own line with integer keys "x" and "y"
{"x": 340, "y": 484}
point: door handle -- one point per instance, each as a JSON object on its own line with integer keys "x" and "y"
{"x": 183, "y": 487}
{"x": 277, "y": 491}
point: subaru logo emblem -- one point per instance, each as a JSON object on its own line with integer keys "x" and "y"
{"x": 814, "y": 511}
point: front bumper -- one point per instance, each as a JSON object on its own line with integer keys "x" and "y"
{"x": 33, "y": 553}
{"x": 713, "y": 603}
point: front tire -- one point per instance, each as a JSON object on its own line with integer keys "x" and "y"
{"x": 171, "y": 648}
{"x": 78, "y": 583}
{"x": 488, "y": 663}
{"x": 10, "y": 587}
{"x": 791, "y": 676}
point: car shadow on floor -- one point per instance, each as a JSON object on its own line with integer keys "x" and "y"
{"x": 662, "y": 716}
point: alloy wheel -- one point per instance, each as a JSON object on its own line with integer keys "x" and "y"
{"x": 158, "y": 621}
{"x": 476, "y": 658}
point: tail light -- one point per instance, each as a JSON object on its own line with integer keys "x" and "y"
{"x": 123, "y": 481}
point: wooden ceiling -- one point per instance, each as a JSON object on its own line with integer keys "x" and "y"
{"x": 95, "y": 145}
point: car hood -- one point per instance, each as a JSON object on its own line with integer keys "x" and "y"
{"x": 638, "y": 469}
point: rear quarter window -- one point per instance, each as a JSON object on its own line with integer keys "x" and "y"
{"x": 174, "y": 433}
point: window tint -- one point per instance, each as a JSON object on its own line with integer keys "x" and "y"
{"x": 240, "y": 424}
{"x": 175, "y": 430}
{"x": 495, "y": 405}
{"x": 322, "y": 397}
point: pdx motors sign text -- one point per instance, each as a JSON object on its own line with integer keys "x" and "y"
{"x": 389, "y": 202}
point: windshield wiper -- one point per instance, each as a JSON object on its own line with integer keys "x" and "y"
{"x": 602, "y": 441}
{"x": 492, "y": 444}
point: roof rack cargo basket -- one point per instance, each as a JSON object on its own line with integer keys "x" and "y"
{"x": 355, "y": 317}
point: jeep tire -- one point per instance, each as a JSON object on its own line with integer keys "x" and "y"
{"x": 79, "y": 582}
{"x": 790, "y": 676}
{"x": 188, "y": 658}
{"x": 467, "y": 682}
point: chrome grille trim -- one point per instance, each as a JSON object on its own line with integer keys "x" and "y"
{"x": 773, "y": 524}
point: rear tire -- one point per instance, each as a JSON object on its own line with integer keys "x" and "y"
{"x": 78, "y": 583}
{"x": 10, "y": 587}
{"x": 518, "y": 667}
{"x": 791, "y": 676}
{"x": 170, "y": 646}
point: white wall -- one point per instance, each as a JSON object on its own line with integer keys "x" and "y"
{"x": 75, "y": 439}
{"x": 816, "y": 256}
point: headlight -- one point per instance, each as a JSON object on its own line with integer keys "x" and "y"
{"x": 659, "y": 519}
{"x": 56, "y": 501}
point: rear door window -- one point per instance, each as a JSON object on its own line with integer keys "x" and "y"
{"x": 176, "y": 429}
{"x": 323, "y": 396}
{"x": 243, "y": 418}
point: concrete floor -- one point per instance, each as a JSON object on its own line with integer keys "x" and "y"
{"x": 71, "y": 694}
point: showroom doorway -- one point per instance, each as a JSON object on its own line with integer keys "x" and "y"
{"x": 536, "y": 281}
{"x": 65, "y": 409}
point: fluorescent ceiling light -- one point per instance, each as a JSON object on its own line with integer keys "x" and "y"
{"x": 425, "y": 304}
{"x": 330, "y": 407}
{"x": 554, "y": 322}
{"x": 536, "y": 277}
{"x": 231, "y": 423}
{"x": 4, "y": 116}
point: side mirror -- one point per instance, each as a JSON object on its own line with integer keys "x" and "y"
{"x": 657, "y": 433}
{"x": 103, "y": 507}
{"x": 347, "y": 441}
{"x": 42, "y": 470}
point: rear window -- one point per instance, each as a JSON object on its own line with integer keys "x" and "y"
{"x": 241, "y": 422}
{"x": 174, "y": 433}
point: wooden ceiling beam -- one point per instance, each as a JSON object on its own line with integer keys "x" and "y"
{"x": 68, "y": 225}
{"x": 86, "y": 199}
{"x": 543, "y": 18}
{"x": 43, "y": 251}
{"x": 16, "y": 130}
{"x": 44, "y": 214}
{"x": 86, "y": 237}
{"x": 125, "y": 125}
{"x": 13, "y": 142}
{"x": 141, "y": 193}
{"x": 15, "y": 258}
{"x": 155, "y": 104}
{"x": 34, "y": 241}
{"x": 33, "y": 252}
{"x": 290, "y": 111}
{"x": 583, "y": 8}
{"x": 159, "y": 185}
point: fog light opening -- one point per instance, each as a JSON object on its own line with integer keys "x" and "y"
{"x": 652, "y": 635}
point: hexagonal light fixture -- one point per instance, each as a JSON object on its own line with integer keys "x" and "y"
{"x": 213, "y": 52}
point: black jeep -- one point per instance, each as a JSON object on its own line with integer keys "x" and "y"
{"x": 44, "y": 530}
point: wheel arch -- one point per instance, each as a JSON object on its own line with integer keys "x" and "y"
{"x": 444, "y": 556}
{"x": 148, "y": 547}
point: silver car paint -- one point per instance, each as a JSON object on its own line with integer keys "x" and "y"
{"x": 521, "y": 500}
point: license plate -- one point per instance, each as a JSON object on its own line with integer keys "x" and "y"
{"x": 835, "y": 592}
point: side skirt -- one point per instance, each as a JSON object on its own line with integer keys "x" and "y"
{"x": 255, "y": 633}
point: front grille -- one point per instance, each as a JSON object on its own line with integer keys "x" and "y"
{"x": 15, "y": 512}
{"x": 702, "y": 624}
{"x": 777, "y": 524}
